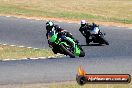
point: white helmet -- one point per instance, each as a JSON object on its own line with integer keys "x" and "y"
{"x": 83, "y": 22}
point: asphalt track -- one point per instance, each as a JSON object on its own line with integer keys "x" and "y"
{"x": 115, "y": 58}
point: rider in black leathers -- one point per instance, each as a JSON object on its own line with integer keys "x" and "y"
{"x": 85, "y": 29}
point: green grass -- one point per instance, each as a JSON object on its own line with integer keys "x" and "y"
{"x": 12, "y": 52}
{"x": 66, "y": 85}
{"x": 74, "y": 85}
{"x": 97, "y": 10}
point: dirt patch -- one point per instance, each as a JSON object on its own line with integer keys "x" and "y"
{"x": 71, "y": 21}
{"x": 1, "y": 48}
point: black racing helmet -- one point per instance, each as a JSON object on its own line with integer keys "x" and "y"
{"x": 49, "y": 25}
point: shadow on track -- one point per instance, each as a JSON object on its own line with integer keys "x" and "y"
{"x": 92, "y": 45}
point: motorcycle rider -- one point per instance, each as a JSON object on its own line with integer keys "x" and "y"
{"x": 85, "y": 29}
{"x": 50, "y": 26}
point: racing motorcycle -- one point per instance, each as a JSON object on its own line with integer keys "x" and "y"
{"x": 65, "y": 45}
{"x": 96, "y": 36}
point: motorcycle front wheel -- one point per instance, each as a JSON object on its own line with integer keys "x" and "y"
{"x": 67, "y": 51}
{"x": 104, "y": 41}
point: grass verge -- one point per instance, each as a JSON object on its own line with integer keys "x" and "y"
{"x": 104, "y": 10}
{"x": 67, "y": 85}
{"x": 75, "y": 85}
{"x": 12, "y": 52}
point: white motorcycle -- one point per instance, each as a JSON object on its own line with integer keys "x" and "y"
{"x": 96, "y": 36}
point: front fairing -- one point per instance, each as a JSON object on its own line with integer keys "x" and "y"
{"x": 95, "y": 30}
{"x": 76, "y": 48}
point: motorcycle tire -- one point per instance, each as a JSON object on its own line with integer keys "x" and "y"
{"x": 87, "y": 41}
{"x": 104, "y": 41}
{"x": 67, "y": 51}
{"x": 82, "y": 53}
{"x": 54, "y": 51}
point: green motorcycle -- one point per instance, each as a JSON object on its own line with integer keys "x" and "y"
{"x": 65, "y": 45}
